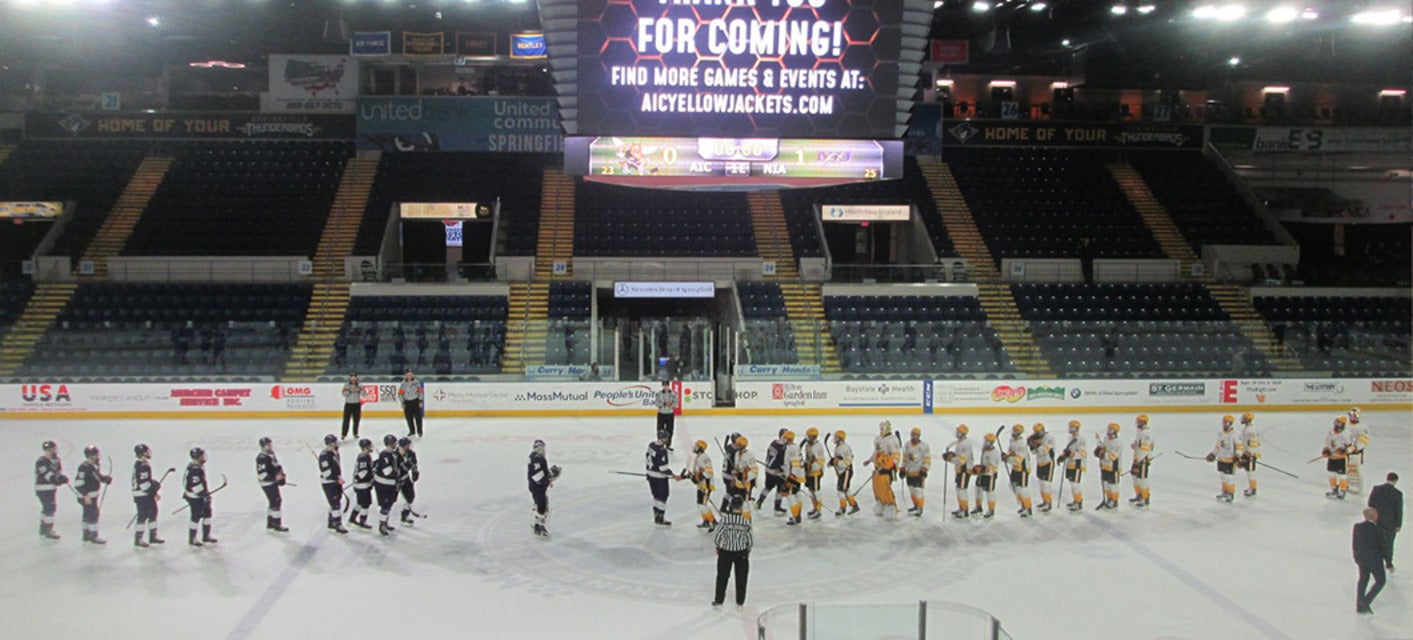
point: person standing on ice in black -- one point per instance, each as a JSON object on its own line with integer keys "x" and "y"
{"x": 774, "y": 471}
{"x": 88, "y": 482}
{"x": 666, "y": 403}
{"x": 331, "y": 479}
{"x": 48, "y": 477}
{"x": 386, "y": 471}
{"x": 733, "y": 542}
{"x": 352, "y": 404}
{"x": 144, "y": 494}
{"x": 1389, "y": 502}
{"x": 658, "y": 471}
{"x": 271, "y": 475}
{"x": 1371, "y": 553}
{"x": 198, "y": 499}
{"x": 540, "y": 475}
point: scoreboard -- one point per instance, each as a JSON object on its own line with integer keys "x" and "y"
{"x": 663, "y": 157}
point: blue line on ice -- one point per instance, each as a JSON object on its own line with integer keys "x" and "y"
{"x": 261, "y": 608}
{"x": 1190, "y": 580}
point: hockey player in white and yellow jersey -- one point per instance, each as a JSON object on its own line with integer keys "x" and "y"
{"x": 1109, "y": 453}
{"x": 1142, "y": 446}
{"x": 962, "y": 455}
{"x": 885, "y": 464}
{"x": 699, "y": 470}
{"x": 1018, "y": 462}
{"x": 794, "y": 479}
{"x": 816, "y": 456}
{"x": 746, "y": 473}
{"x": 843, "y": 463}
{"x": 987, "y": 467}
{"x": 1073, "y": 458}
{"x": 1225, "y": 453}
{"x": 1042, "y": 446}
{"x": 1338, "y": 444}
{"x": 1251, "y": 441}
{"x": 917, "y": 459}
{"x": 1359, "y": 437}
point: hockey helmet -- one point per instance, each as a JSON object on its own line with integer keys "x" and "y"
{"x": 1339, "y": 423}
{"x": 990, "y": 439}
{"x": 197, "y": 453}
{"x": 538, "y": 447}
{"x": 49, "y": 445}
{"x": 741, "y": 443}
{"x": 90, "y": 451}
{"x": 141, "y": 450}
{"x": 330, "y": 439}
{"x": 699, "y": 446}
{"x": 1354, "y": 415}
{"x": 662, "y": 435}
{"x": 839, "y": 435}
{"x": 885, "y": 428}
{"x": 1141, "y": 421}
{"x": 916, "y": 432}
{"x": 781, "y": 433}
{"x": 1038, "y": 428}
{"x": 389, "y": 440}
{"x": 1074, "y": 426}
{"x": 812, "y": 433}
{"x": 404, "y": 442}
{"x": 265, "y": 442}
{"x": 1248, "y": 417}
{"x": 787, "y": 435}
{"x": 1227, "y": 422}
{"x": 1114, "y": 428}
{"x": 1017, "y": 430}
{"x": 962, "y": 431}
{"x": 365, "y": 444}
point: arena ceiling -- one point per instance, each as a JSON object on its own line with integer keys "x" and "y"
{"x": 1116, "y": 43}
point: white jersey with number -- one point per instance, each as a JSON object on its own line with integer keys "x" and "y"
{"x": 964, "y": 454}
{"x": 843, "y": 457}
{"x": 1142, "y": 446}
{"x": 1251, "y": 438}
{"x": 1076, "y": 452}
{"x": 1018, "y": 455}
{"x": 815, "y": 458}
{"x": 916, "y": 457}
{"x": 794, "y": 463}
{"x": 1228, "y": 446}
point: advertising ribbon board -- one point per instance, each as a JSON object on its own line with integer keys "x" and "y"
{"x": 312, "y": 84}
{"x": 422, "y": 44}
{"x": 977, "y": 133}
{"x": 30, "y": 210}
{"x": 178, "y": 125}
{"x": 508, "y": 125}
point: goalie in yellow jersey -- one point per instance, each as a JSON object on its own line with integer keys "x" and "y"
{"x": 885, "y": 463}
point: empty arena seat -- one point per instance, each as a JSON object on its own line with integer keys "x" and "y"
{"x": 190, "y": 330}
{"x": 90, "y": 174}
{"x": 435, "y": 335}
{"x": 627, "y": 222}
{"x": 929, "y": 335}
{"x": 1198, "y": 197}
{"x": 1344, "y": 335}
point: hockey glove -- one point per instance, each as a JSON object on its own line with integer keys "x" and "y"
{"x": 1211, "y": 457}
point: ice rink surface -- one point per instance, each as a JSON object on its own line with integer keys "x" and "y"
{"x": 1278, "y": 566}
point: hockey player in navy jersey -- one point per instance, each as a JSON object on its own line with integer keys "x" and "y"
{"x": 144, "y": 495}
{"x": 198, "y": 498}
{"x": 363, "y": 484}
{"x": 386, "y": 471}
{"x": 271, "y": 475}
{"x": 541, "y": 476}
{"x": 331, "y": 479}
{"x": 48, "y": 477}
{"x": 88, "y": 482}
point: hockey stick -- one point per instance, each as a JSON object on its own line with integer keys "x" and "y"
{"x": 104, "y": 495}
{"x": 1277, "y": 470}
{"x": 1322, "y": 457}
{"x": 1188, "y": 457}
{"x": 159, "y": 481}
{"x": 208, "y": 495}
{"x": 630, "y": 473}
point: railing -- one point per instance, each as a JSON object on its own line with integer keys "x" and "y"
{"x": 919, "y": 621}
{"x": 439, "y": 272}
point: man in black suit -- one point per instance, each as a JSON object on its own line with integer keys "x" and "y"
{"x": 1389, "y": 501}
{"x": 1370, "y": 553}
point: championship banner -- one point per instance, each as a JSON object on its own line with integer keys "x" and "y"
{"x": 476, "y": 44}
{"x": 978, "y": 133}
{"x": 422, "y": 44}
{"x": 311, "y": 84}
{"x": 528, "y": 46}
{"x": 408, "y": 124}
{"x": 370, "y": 43}
{"x": 186, "y": 125}
{"x": 951, "y": 51}
{"x": 739, "y": 69}
{"x": 27, "y": 210}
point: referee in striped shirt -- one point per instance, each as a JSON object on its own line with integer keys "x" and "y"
{"x": 733, "y": 548}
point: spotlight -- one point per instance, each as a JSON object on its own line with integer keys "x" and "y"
{"x": 1119, "y": 9}
{"x": 936, "y": 4}
{"x": 981, "y": 6}
{"x": 1065, "y": 43}
{"x": 1146, "y": 9}
{"x": 1205, "y": 12}
{"x": 1038, "y": 7}
{"x": 1377, "y": 17}
{"x": 1309, "y": 14}
{"x": 1233, "y": 61}
{"x": 1283, "y": 14}
{"x": 1231, "y": 12}
{"x": 154, "y": 21}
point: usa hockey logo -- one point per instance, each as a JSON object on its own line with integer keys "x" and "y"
{"x": 46, "y": 393}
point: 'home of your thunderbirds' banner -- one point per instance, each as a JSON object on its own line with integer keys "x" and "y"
{"x": 739, "y": 68}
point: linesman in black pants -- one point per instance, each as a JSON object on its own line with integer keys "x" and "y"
{"x": 733, "y": 550}
{"x": 666, "y": 401}
{"x": 352, "y": 405}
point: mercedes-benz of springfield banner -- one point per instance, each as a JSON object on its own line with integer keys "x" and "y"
{"x": 774, "y": 68}
{"x": 407, "y": 124}
{"x": 312, "y": 84}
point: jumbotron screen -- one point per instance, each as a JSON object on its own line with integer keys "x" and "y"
{"x": 788, "y": 159}
{"x": 739, "y": 68}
